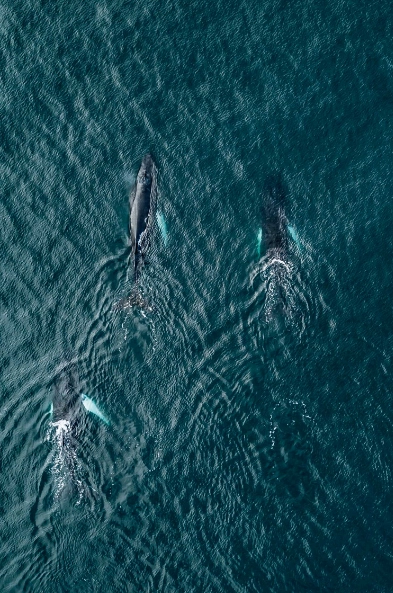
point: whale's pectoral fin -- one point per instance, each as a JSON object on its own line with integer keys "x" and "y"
{"x": 294, "y": 237}
{"x": 259, "y": 242}
{"x": 163, "y": 227}
{"x": 92, "y": 407}
{"x": 50, "y": 411}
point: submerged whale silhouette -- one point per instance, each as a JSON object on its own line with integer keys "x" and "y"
{"x": 273, "y": 238}
{"x": 68, "y": 417}
{"x": 285, "y": 306}
{"x": 274, "y": 232}
{"x": 67, "y": 402}
{"x": 274, "y": 220}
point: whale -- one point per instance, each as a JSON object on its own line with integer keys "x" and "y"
{"x": 273, "y": 245}
{"x": 68, "y": 402}
{"x": 68, "y": 413}
{"x": 275, "y": 230}
{"x": 280, "y": 255}
{"x": 274, "y": 220}
{"x": 140, "y": 207}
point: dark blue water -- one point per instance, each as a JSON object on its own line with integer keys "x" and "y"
{"x": 250, "y": 445}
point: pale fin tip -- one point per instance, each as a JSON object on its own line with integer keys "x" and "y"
{"x": 90, "y": 406}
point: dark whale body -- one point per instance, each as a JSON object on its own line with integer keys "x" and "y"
{"x": 67, "y": 419}
{"x": 284, "y": 311}
{"x": 276, "y": 253}
{"x": 141, "y": 201}
{"x": 274, "y": 220}
{"x": 140, "y": 206}
{"x": 66, "y": 399}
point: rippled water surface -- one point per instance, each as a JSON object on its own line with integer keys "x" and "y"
{"x": 250, "y": 440}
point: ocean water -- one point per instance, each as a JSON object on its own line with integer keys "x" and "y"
{"x": 247, "y": 451}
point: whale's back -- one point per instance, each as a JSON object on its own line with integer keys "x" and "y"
{"x": 140, "y": 204}
{"x": 274, "y": 221}
{"x": 66, "y": 398}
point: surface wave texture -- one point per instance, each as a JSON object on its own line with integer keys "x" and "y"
{"x": 250, "y": 439}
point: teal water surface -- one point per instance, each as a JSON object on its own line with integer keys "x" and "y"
{"x": 247, "y": 450}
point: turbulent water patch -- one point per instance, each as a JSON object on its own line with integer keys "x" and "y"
{"x": 281, "y": 306}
